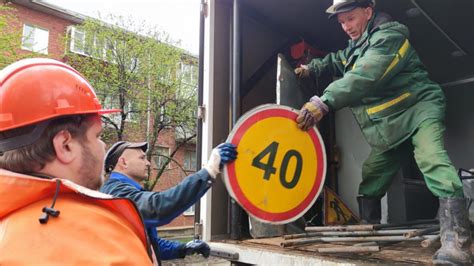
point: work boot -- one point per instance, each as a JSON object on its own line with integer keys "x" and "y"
{"x": 370, "y": 211}
{"x": 455, "y": 233}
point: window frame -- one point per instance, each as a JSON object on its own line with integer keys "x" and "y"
{"x": 35, "y": 28}
{"x": 190, "y": 169}
{"x": 190, "y": 211}
{"x": 72, "y": 44}
{"x": 156, "y": 155}
{"x": 187, "y": 72}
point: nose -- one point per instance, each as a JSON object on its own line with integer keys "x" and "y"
{"x": 345, "y": 27}
{"x": 148, "y": 163}
{"x": 102, "y": 143}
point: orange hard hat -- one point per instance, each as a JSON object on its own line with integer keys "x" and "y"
{"x": 38, "y": 89}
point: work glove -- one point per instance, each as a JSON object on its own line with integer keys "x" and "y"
{"x": 197, "y": 246}
{"x": 220, "y": 155}
{"x": 302, "y": 71}
{"x": 311, "y": 113}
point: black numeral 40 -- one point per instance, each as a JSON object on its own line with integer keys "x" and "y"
{"x": 269, "y": 169}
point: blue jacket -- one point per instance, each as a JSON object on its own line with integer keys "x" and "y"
{"x": 160, "y": 208}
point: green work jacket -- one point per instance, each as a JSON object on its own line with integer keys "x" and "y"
{"x": 383, "y": 82}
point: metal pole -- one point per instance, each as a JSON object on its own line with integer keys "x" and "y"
{"x": 429, "y": 241}
{"x": 349, "y": 249}
{"x": 365, "y": 244}
{"x": 405, "y": 224}
{"x": 236, "y": 61}
{"x": 350, "y": 233}
{"x": 197, "y": 206}
{"x": 421, "y": 232}
{"x": 235, "y": 210}
{"x": 360, "y": 227}
{"x": 438, "y": 28}
{"x": 379, "y": 243}
{"x": 457, "y": 82}
{"x": 148, "y": 110}
{"x": 292, "y": 243}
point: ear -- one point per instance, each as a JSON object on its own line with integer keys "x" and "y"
{"x": 369, "y": 12}
{"x": 122, "y": 162}
{"x": 67, "y": 149}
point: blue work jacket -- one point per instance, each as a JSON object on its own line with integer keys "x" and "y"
{"x": 160, "y": 208}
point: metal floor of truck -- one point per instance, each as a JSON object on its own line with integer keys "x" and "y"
{"x": 267, "y": 251}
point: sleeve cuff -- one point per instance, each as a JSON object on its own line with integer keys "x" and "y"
{"x": 181, "y": 251}
{"x": 326, "y": 101}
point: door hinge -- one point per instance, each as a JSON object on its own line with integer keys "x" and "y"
{"x": 204, "y": 9}
{"x": 201, "y": 112}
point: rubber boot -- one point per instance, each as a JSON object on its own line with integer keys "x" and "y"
{"x": 370, "y": 211}
{"x": 455, "y": 233}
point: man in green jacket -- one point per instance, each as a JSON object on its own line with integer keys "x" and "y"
{"x": 400, "y": 111}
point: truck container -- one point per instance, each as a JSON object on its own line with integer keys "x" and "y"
{"x": 241, "y": 40}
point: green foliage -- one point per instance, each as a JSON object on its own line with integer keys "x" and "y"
{"x": 138, "y": 69}
{"x": 10, "y": 35}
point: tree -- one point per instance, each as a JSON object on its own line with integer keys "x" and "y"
{"x": 10, "y": 37}
{"x": 172, "y": 104}
{"x": 137, "y": 69}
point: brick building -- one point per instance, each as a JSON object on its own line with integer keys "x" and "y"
{"x": 44, "y": 28}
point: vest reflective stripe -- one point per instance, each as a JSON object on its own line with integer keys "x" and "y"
{"x": 401, "y": 53}
{"x": 386, "y": 105}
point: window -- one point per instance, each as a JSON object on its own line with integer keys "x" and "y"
{"x": 131, "y": 109}
{"x": 35, "y": 39}
{"x": 188, "y": 74}
{"x": 160, "y": 157}
{"x": 190, "y": 211}
{"x": 190, "y": 160}
{"x": 90, "y": 45}
{"x": 164, "y": 118}
{"x": 165, "y": 76}
{"x": 110, "y": 51}
{"x": 112, "y": 102}
{"x": 78, "y": 41}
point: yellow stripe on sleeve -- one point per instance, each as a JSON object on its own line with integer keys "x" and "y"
{"x": 401, "y": 53}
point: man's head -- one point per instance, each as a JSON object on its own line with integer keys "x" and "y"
{"x": 50, "y": 122}
{"x": 129, "y": 159}
{"x": 353, "y": 15}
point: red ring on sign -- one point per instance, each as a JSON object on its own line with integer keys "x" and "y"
{"x": 264, "y": 215}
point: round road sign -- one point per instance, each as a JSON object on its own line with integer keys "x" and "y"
{"x": 280, "y": 169}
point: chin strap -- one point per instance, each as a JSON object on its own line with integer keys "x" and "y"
{"x": 47, "y": 211}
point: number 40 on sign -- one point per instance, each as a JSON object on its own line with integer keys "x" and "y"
{"x": 280, "y": 169}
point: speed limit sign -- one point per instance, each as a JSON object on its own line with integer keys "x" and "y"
{"x": 280, "y": 169}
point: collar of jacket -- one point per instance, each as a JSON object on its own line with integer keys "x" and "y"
{"x": 123, "y": 178}
{"x": 377, "y": 19}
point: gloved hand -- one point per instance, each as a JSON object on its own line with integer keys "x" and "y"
{"x": 197, "y": 247}
{"x": 311, "y": 113}
{"x": 223, "y": 153}
{"x": 302, "y": 71}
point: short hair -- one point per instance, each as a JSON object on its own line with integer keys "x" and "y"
{"x": 34, "y": 157}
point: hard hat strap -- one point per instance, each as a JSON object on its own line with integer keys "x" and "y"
{"x": 23, "y": 140}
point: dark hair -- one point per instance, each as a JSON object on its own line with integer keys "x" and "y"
{"x": 34, "y": 157}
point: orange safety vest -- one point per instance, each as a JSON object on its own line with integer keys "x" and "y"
{"x": 92, "y": 228}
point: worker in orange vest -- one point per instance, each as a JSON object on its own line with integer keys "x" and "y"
{"x": 51, "y": 158}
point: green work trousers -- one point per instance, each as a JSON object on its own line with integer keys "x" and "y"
{"x": 427, "y": 146}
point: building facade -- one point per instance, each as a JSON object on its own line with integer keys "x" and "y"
{"x": 44, "y": 29}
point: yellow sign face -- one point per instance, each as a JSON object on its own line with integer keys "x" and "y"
{"x": 280, "y": 169}
{"x": 336, "y": 211}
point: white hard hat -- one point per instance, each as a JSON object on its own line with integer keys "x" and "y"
{"x": 341, "y": 6}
